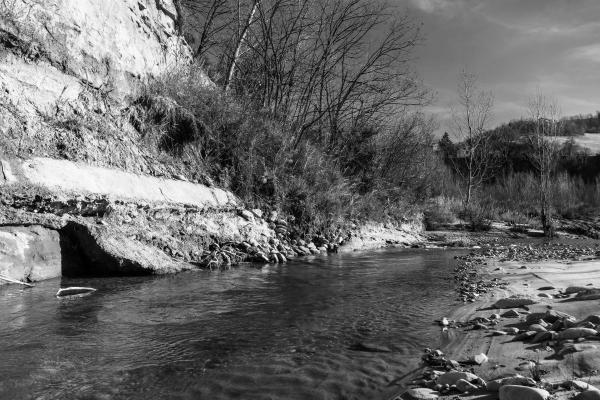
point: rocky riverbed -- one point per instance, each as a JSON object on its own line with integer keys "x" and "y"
{"x": 528, "y": 327}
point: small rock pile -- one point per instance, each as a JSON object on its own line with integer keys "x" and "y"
{"x": 469, "y": 284}
{"x": 540, "y": 252}
{"x": 444, "y": 377}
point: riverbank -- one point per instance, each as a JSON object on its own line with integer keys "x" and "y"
{"x": 535, "y": 321}
{"x": 61, "y": 218}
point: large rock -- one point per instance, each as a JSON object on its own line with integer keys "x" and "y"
{"x": 516, "y": 392}
{"x": 512, "y": 302}
{"x": 71, "y": 177}
{"x": 104, "y": 251}
{"x": 588, "y": 395}
{"x": 29, "y": 253}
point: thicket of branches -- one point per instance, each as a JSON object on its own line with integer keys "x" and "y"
{"x": 324, "y": 67}
{"x": 317, "y": 110}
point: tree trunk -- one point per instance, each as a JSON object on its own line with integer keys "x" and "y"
{"x": 238, "y": 47}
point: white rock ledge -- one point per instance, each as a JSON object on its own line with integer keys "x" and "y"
{"x": 68, "y": 177}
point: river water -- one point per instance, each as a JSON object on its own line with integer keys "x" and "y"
{"x": 277, "y": 332}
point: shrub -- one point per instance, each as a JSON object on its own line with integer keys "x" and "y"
{"x": 441, "y": 211}
{"x": 477, "y": 217}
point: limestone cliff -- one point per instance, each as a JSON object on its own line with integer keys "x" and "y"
{"x": 57, "y": 50}
{"x": 70, "y": 70}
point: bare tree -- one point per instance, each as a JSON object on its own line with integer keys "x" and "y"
{"x": 470, "y": 120}
{"x": 545, "y": 114}
{"x": 207, "y": 19}
{"x": 242, "y": 32}
{"x": 330, "y": 65}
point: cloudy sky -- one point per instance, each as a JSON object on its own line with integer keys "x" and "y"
{"x": 514, "y": 47}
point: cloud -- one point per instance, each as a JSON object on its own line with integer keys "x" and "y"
{"x": 587, "y": 53}
{"x": 438, "y": 6}
{"x": 514, "y": 46}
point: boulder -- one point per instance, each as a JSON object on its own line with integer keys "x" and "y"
{"x": 576, "y": 348}
{"x": 517, "y": 392}
{"x": 552, "y": 316}
{"x": 106, "y": 251}
{"x": 576, "y": 333}
{"x": 511, "y": 302}
{"x": 588, "y": 395}
{"x": 30, "y": 253}
{"x": 594, "y": 319}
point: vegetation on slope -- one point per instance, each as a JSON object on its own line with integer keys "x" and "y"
{"x": 320, "y": 117}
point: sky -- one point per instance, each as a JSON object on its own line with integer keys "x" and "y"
{"x": 514, "y": 47}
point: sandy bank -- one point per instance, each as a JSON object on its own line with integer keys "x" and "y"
{"x": 554, "y": 361}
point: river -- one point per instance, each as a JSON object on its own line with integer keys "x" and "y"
{"x": 277, "y": 332}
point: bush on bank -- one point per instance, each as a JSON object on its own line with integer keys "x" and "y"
{"x": 379, "y": 173}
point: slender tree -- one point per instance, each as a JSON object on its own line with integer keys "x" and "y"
{"x": 545, "y": 112}
{"x": 474, "y": 160}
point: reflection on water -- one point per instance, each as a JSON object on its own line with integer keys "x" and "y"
{"x": 277, "y": 332}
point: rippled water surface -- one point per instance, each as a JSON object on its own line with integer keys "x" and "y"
{"x": 277, "y": 332}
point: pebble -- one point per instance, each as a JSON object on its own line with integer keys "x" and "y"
{"x": 450, "y": 378}
{"x": 511, "y": 314}
{"x": 465, "y": 386}
{"x": 495, "y": 385}
{"x": 537, "y": 328}
{"x": 422, "y": 394}
{"x": 479, "y": 359}
{"x": 526, "y": 335}
{"x": 526, "y": 366}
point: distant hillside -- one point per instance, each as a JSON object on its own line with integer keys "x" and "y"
{"x": 580, "y": 124}
{"x": 588, "y": 141}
